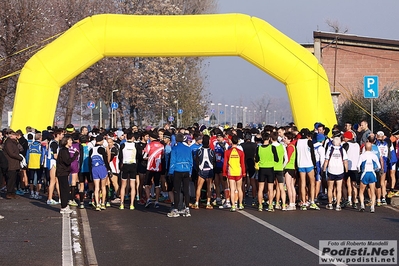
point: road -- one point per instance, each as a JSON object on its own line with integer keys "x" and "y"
{"x": 219, "y": 237}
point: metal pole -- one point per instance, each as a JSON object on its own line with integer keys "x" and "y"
{"x": 112, "y": 110}
{"x": 81, "y": 110}
{"x": 101, "y": 115}
{"x": 372, "y": 115}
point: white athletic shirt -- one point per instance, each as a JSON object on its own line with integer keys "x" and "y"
{"x": 304, "y": 157}
{"x": 353, "y": 155}
{"x": 336, "y": 164}
{"x": 129, "y": 153}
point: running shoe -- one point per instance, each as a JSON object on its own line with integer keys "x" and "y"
{"x": 1, "y": 217}
{"x": 338, "y": 208}
{"x": 156, "y": 205}
{"x": 32, "y": 196}
{"x": 195, "y": 206}
{"x": 383, "y": 201}
{"x": 148, "y": 203}
{"x": 270, "y": 208}
{"x": 103, "y": 206}
{"x": 173, "y": 214}
{"x": 241, "y": 207}
{"x": 209, "y": 206}
{"x": 369, "y": 204}
{"x": 313, "y": 206}
{"x": 131, "y": 207}
{"x": 362, "y": 209}
{"x": 81, "y": 206}
{"x": 391, "y": 194}
{"x": 219, "y": 201}
{"x": 260, "y": 207}
{"x": 72, "y": 203}
{"x": 187, "y": 212}
{"x": 303, "y": 208}
{"x": 372, "y": 210}
{"x": 278, "y": 206}
{"x": 122, "y": 207}
{"x": 19, "y": 192}
{"x": 66, "y": 210}
{"x": 116, "y": 200}
{"x": 397, "y": 194}
{"x": 233, "y": 208}
{"x": 37, "y": 196}
{"x": 354, "y": 205}
{"x": 161, "y": 199}
{"x": 227, "y": 205}
{"x": 107, "y": 204}
{"x": 284, "y": 207}
{"x": 52, "y": 202}
{"x": 254, "y": 203}
{"x": 291, "y": 208}
{"x": 98, "y": 207}
{"x": 379, "y": 204}
{"x": 329, "y": 206}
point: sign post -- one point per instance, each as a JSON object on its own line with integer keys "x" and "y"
{"x": 371, "y": 92}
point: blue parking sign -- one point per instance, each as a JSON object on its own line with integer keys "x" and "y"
{"x": 370, "y": 87}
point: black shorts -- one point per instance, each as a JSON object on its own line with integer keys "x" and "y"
{"x": 85, "y": 176}
{"x": 279, "y": 176}
{"x": 218, "y": 170}
{"x": 150, "y": 175}
{"x": 31, "y": 175}
{"x": 129, "y": 171}
{"x": 169, "y": 182}
{"x": 291, "y": 172}
{"x": 142, "y": 167}
{"x": 266, "y": 174}
{"x": 250, "y": 167}
{"x": 353, "y": 175}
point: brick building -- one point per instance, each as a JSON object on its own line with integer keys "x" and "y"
{"x": 348, "y": 58}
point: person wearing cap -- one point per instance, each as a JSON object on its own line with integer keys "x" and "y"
{"x": 153, "y": 153}
{"x": 70, "y": 129}
{"x": 98, "y": 161}
{"x": 11, "y": 152}
{"x": 320, "y": 154}
{"x": 181, "y": 165}
{"x": 367, "y": 165}
{"x": 351, "y": 178}
{"x": 384, "y": 150}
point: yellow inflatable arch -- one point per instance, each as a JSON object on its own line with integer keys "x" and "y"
{"x": 111, "y": 35}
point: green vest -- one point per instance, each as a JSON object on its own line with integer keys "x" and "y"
{"x": 266, "y": 157}
{"x": 291, "y": 163}
{"x": 278, "y": 166}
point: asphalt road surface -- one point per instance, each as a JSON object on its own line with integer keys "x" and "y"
{"x": 220, "y": 237}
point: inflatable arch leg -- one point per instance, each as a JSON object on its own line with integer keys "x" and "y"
{"x": 100, "y": 36}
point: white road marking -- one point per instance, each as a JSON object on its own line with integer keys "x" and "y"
{"x": 90, "y": 253}
{"x": 67, "y": 258}
{"x": 283, "y": 234}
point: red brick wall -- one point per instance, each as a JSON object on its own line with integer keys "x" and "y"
{"x": 353, "y": 63}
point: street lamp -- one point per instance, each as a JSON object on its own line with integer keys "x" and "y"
{"x": 219, "y": 104}
{"x": 225, "y": 119}
{"x": 112, "y": 109}
{"x": 254, "y": 116}
{"x": 236, "y": 113}
{"x": 274, "y": 122}
{"x": 231, "y": 114}
{"x": 267, "y": 117}
{"x": 177, "y": 112}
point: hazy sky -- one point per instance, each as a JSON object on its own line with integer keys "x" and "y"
{"x": 234, "y": 81}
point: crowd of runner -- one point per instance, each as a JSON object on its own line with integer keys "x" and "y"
{"x": 229, "y": 167}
